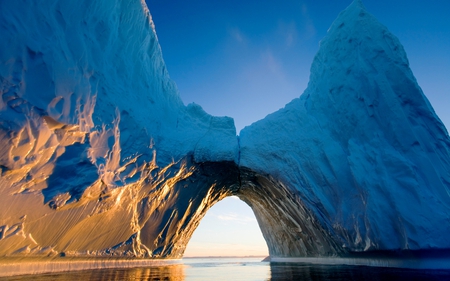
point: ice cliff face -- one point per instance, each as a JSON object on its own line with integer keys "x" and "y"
{"x": 100, "y": 157}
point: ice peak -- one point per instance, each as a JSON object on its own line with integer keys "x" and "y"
{"x": 357, "y": 3}
{"x": 353, "y": 14}
{"x": 356, "y": 32}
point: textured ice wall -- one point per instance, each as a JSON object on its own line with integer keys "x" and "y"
{"x": 94, "y": 136}
{"x": 362, "y": 145}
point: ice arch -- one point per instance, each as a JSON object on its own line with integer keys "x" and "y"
{"x": 287, "y": 226}
{"x": 99, "y": 156}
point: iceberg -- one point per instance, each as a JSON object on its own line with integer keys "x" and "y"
{"x": 100, "y": 158}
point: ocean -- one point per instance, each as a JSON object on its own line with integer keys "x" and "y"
{"x": 248, "y": 269}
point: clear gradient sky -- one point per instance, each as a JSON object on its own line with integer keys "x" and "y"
{"x": 246, "y": 59}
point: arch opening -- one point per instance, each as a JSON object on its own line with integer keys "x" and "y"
{"x": 229, "y": 229}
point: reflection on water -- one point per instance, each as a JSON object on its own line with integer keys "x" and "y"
{"x": 247, "y": 269}
{"x": 169, "y": 273}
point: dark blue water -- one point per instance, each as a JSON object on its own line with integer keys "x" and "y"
{"x": 240, "y": 269}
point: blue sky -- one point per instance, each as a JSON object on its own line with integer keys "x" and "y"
{"x": 246, "y": 59}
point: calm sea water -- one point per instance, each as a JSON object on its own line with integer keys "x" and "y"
{"x": 196, "y": 269}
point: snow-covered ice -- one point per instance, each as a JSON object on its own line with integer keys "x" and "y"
{"x": 99, "y": 157}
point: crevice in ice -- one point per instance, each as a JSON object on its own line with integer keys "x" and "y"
{"x": 239, "y": 161}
